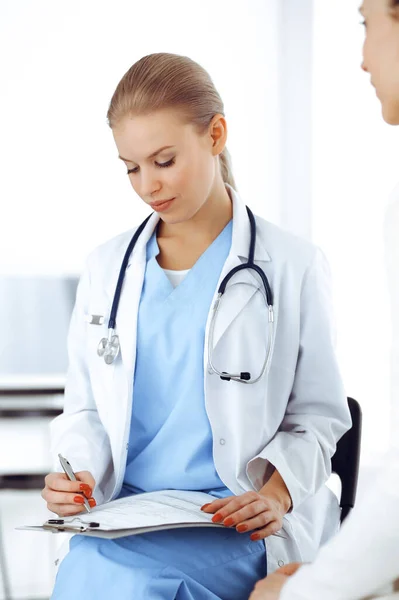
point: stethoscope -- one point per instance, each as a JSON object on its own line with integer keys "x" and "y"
{"x": 109, "y": 346}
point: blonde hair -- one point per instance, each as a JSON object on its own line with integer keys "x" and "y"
{"x": 162, "y": 80}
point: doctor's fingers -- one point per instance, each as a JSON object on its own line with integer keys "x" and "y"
{"x": 230, "y": 515}
{"x": 260, "y": 520}
{"x": 74, "y": 499}
{"x": 226, "y": 506}
{"x": 86, "y": 477}
{"x": 60, "y": 483}
{"x": 65, "y": 510}
{"x": 270, "y": 529}
{"x": 212, "y": 507}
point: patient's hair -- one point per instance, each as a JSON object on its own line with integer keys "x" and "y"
{"x": 162, "y": 80}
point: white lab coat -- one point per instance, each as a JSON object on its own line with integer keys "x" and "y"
{"x": 291, "y": 419}
{"x": 364, "y": 557}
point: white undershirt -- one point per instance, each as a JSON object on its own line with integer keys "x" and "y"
{"x": 175, "y": 277}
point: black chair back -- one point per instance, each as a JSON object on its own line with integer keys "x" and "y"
{"x": 345, "y": 462}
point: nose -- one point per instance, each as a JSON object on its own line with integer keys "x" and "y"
{"x": 364, "y": 67}
{"x": 149, "y": 183}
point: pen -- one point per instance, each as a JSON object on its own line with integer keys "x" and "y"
{"x": 71, "y": 476}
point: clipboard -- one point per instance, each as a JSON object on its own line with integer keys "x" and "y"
{"x": 96, "y": 531}
{"x": 137, "y": 514}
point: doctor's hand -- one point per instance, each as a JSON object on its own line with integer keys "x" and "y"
{"x": 65, "y": 497}
{"x": 261, "y": 512}
{"x": 270, "y": 587}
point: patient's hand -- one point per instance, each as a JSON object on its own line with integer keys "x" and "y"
{"x": 270, "y": 587}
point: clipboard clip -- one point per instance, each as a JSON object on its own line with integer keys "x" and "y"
{"x": 61, "y": 525}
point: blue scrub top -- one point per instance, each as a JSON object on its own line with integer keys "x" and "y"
{"x": 170, "y": 445}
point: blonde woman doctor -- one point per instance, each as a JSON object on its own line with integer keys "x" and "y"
{"x": 161, "y": 415}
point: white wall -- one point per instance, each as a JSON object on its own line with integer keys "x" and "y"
{"x": 63, "y": 190}
{"x": 295, "y": 97}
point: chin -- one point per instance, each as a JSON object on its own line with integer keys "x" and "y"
{"x": 173, "y": 219}
{"x": 390, "y": 113}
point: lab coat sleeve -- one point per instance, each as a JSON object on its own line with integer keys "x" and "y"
{"x": 317, "y": 413}
{"x": 364, "y": 556}
{"x": 78, "y": 433}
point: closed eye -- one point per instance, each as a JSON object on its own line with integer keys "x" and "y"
{"x": 164, "y": 165}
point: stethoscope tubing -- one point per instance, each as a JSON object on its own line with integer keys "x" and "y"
{"x": 108, "y": 348}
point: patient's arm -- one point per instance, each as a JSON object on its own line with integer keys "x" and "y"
{"x": 364, "y": 556}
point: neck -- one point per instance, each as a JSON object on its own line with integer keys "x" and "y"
{"x": 208, "y": 222}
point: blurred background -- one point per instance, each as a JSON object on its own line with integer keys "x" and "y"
{"x": 310, "y": 153}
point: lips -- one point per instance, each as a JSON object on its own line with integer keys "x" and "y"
{"x": 161, "y": 205}
{"x": 160, "y": 202}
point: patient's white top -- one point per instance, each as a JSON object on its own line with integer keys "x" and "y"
{"x": 364, "y": 556}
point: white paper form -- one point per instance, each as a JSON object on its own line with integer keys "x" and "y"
{"x": 150, "y": 509}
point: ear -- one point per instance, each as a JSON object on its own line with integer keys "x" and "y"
{"x": 218, "y": 133}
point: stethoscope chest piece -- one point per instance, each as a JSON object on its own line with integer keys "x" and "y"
{"x": 108, "y": 348}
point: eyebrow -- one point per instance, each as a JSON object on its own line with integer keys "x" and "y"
{"x": 151, "y": 155}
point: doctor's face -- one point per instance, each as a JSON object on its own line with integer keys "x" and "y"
{"x": 170, "y": 165}
{"x": 381, "y": 53}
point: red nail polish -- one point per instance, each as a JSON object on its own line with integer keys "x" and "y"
{"x": 255, "y": 536}
{"x": 242, "y": 528}
{"x": 86, "y": 489}
{"x": 205, "y": 506}
{"x": 79, "y": 499}
{"x": 217, "y": 518}
{"x": 228, "y": 522}
{"x": 92, "y": 502}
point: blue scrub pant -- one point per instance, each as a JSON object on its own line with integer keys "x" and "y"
{"x": 180, "y": 564}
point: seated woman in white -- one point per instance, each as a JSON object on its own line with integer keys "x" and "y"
{"x": 365, "y": 554}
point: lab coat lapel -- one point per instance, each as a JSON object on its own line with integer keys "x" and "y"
{"x": 126, "y": 319}
{"x": 243, "y": 284}
{"x": 128, "y": 308}
{"x": 238, "y": 293}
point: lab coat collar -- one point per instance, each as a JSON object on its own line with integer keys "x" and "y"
{"x": 145, "y": 236}
{"x": 241, "y": 236}
{"x": 242, "y": 231}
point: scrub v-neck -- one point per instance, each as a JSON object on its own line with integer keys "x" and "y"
{"x": 170, "y": 444}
